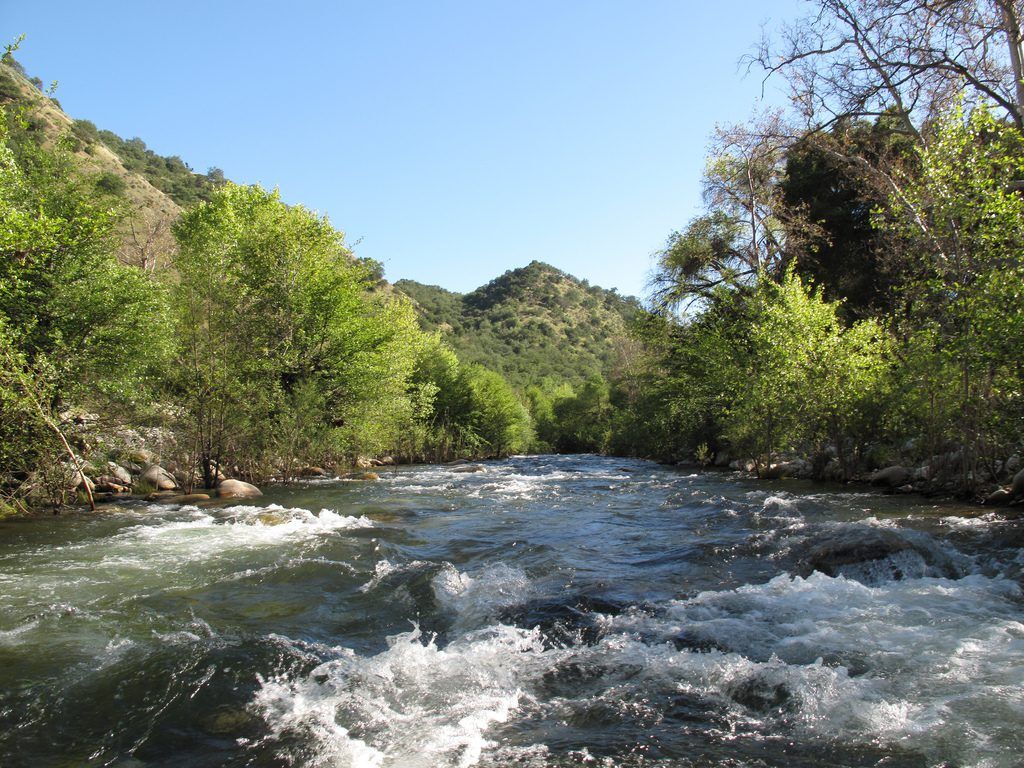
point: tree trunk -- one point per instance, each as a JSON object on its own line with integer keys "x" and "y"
{"x": 1011, "y": 27}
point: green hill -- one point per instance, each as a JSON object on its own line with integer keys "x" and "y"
{"x": 529, "y": 323}
{"x": 155, "y": 188}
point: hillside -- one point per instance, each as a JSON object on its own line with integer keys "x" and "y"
{"x": 155, "y": 188}
{"x": 529, "y": 323}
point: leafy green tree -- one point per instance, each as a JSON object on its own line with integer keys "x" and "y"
{"x": 75, "y": 324}
{"x": 806, "y": 377}
{"x": 584, "y": 419}
{"x": 276, "y": 319}
{"x": 497, "y": 417}
{"x": 965, "y": 215}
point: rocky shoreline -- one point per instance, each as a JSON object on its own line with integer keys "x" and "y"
{"x": 944, "y": 476}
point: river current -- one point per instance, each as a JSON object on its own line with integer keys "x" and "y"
{"x": 548, "y": 611}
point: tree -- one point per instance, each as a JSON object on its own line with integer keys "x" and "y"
{"x": 965, "y": 299}
{"x": 845, "y": 253}
{"x": 806, "y": 378}
{"x": 851, "y": 59}
{"x": 75, "y": 324}
{"x": 276, "y": 317}
{"x": 749, "y": 230}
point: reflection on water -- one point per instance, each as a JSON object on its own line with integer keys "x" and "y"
{"x": 548, "y": 611}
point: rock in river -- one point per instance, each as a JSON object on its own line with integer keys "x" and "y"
{"x": 237, "y": 489}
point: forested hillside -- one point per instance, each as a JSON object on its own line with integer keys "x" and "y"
{"x": 529, "y": 324}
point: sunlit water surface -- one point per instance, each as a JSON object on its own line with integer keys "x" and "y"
{"x": 550, "y": 611}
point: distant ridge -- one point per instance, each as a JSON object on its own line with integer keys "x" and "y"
{"x": 530, "y": 323}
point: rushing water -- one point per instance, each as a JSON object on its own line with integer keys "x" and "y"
{"x": 550, "y": 611}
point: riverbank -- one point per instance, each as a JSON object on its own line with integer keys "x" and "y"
{"x": 943, "y": 476}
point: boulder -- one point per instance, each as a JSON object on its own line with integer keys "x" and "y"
{"x": 468, "y": 468}
{"x": 159, "y": 478}
{"x": 363, "y": 463}
{"x": 141, "y": 456}
{"x": 1017, "y": 486}
{"x": 999, "y": 497}
{"x": 457, "y": 462}
{"x": 833, "y": 471}
{"x": 369, "y": 476}
{"x": 891, "y": 477}
{"x": 843, "y": 549}
{"x": 237, "y": 489}
{"x": 1012, "y": 464}
{"x": 313, "y": 472}
{"x": 386, "y": 461}
{"x": 744, "y": 465}
{"x": 794, "y": 468}
{"x": 119, "y": 473}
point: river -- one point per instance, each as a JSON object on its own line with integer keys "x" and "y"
{"x": 549, "y": 611}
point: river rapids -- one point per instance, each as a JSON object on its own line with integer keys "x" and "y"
{"x": 548, "y": 611}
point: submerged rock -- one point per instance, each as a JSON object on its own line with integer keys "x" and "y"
{"x": 189, "y": 498}
{"x": 829, "y": 557}
{"x": 875, "y": 556}
{"x": 761, "y": 695}
{"x": 469, "y": 468}
{"x": 161, "y": 495}
{"x": 272, "y": 517}
{"x": 237, "y": 489}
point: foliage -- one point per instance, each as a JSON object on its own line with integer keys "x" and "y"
{"x": 805, "y": 377}
{"x": 472, "y": 411}
{"x": 276, "y": 321}
{"x": 171, "y": 175}
{"x": 964, "y": 302}
{"x": 70, "y": 306}
{"x": 847, "y": 254}
{"x": 75, "y": 324}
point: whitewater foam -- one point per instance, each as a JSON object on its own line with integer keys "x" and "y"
{"x": 414, "y": 705}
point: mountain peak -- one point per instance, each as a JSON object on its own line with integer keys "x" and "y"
{"x": 529, "y": 323}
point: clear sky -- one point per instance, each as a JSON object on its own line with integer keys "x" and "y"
{"x": 451, "y": 140}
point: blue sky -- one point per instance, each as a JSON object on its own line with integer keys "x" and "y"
{"x": 450, "y": 140}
